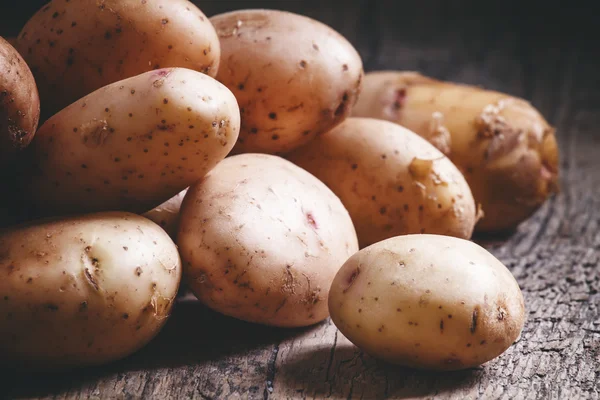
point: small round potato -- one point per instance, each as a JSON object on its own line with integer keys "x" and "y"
{"x": 294, "y": 77}
{"x": 84, "y": 290}
{"x": 76, "y": 47}
{"x": 392, "y": 181}
{"x": 502, "y": 144}
{"x": 19, "y": 103}
{"x": 167, "y": 214}
{"x": 262, "y": 239}
{"x": 427, "y": 301}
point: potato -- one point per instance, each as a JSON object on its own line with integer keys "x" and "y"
{"x": 84, "y": 290}
{"x": 503, "y": 146}
{"x": 391, "y": 181}
{"x": 19, "y": 103}
{"x": 427, "y": 301}
{"x": 167, "y": 214}
{"x": 133, "y": 144}
{"x": 76, "y": 47}
{"x": 294, "y": 77}
{"x": 261, "y": 240}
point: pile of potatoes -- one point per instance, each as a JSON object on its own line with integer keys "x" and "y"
{"x": 249, "y": 156}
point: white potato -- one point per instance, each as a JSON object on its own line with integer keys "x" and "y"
{"x": 427, "y": 301}
{"x": 262, "y": 239}
{"x": 84, "y": 290}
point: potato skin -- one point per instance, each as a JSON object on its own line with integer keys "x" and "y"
{"x": 84, "y": 290}
{"x": 19, "y": 103}
{"x": 79, "y": 46}
{"x": 262, "y": 239}
{"x": 392, "y": 181}
{"x": 167, "y": 214}
{"x": 294, "y": 77}
{"x": 504, "y": 147}
{"x": 134, "y": 144}
{"x": 427, "y": 301}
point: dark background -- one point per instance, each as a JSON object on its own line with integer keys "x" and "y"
{"x": 480, "y": 42}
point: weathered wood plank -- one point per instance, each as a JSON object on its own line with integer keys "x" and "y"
{"x": 555, "y": 255}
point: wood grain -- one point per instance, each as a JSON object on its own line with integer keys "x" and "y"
{"x": 555, "y": 256}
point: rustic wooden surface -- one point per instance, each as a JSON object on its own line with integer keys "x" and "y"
{"x": 550, "y": 59}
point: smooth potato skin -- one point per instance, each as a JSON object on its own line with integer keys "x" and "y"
{"x": 504, "y": 147}
{"x": 392, "y": 181}
{"x": 167, "y": 214}
{"x": 262, "y": 239}
{"x": 133, "y": 144}
{"x": 19, "y": 103}
{"x": 79, "y": 46}
{"x": 294, "y": 77}
{"x": 84, "y": 290}
{"x": 427, "y": 301}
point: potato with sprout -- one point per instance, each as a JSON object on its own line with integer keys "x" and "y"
{"x": 392, "y": 181}
{"x": 502, "y": 144}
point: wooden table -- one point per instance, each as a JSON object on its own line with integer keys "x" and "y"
{"x": 548, "y": 58}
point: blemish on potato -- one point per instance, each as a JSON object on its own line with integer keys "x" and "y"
{"x": 474, "y": 318}
{"x": 90, "y": 278}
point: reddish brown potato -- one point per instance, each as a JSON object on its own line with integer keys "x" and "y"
{"x": 293, "y": 77}
{"x": 19, "y": 103}
{"x": 76, "y": 47}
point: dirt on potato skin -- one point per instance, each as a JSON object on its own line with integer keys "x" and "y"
{"x": 19, "y": 103}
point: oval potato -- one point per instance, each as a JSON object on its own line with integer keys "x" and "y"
{"x": 427, "y": 301}
{"x": 504, "y": 147}
{"x": 262, "y": 239}
{"x": 294, "y": 77}
{"x": 133, "y": 144}
{"x": 392, "y": 181}
{"x": 84, "y": 290}
{"x": 77, "y": 47}
{"x": 167, "y": 214}
{"x": 19, "y": 103}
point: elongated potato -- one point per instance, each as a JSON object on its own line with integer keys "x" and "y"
{"x": 392, "y": 181}
{"x": 503, "y": 146}
{"x": 84, "y": 290}
{"x": 262, "y": 239}
{"x": 19, "y": 103}
{"x": 76, "y": 47}
{"x": 167, "y": 214}
{"x": 134, "y": 144}
{"x": 427, "y": 301}
{"x": 294, "y": 77}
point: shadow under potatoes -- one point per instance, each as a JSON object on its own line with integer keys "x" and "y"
{"x": 194, "y": 335}
{"x": 347, "y": 372}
